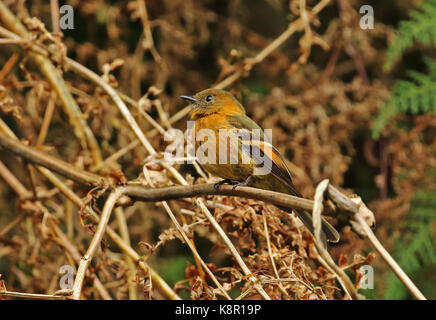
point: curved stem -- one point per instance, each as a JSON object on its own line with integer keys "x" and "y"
{"x": 86, "y": 259}
{"x": 342, "y": 277}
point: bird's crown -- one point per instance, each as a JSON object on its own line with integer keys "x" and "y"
{"x": 211, "y": 101}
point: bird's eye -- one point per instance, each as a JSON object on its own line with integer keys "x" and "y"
{"x": 209, "y": 98}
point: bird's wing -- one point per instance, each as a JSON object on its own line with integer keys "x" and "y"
{"x": 278, "y": 165}
{"x": 261, "y": 148}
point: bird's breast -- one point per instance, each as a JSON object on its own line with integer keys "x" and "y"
{"x": 218, "y": 148}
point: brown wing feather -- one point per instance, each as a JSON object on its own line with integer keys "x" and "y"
{"x": 279, "y": 168}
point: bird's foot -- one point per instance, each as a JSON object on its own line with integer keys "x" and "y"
{"x": 220, "y": 183}
{"x": 242, "y": 184}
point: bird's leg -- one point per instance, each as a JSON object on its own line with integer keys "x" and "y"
{"x": 244, "y": 183}
{"x": 234, "y": 183}
{"x": 224, "y": 181}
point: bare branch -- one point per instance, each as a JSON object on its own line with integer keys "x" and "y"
{"x": 41, "y": 158}
{"x": 389, "y": 260}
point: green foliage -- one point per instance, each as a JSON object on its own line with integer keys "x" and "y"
{"x": 421, "y": 28}
{"x": 418, "y": 250}
{"x": 416, "y": 96}
{"x": 419, "y": 93}
{"x": 174, "y": 269}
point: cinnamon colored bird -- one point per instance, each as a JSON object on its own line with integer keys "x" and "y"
{"x": 220, "y": 112}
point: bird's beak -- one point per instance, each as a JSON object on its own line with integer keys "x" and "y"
{"x": 189, "y": 98}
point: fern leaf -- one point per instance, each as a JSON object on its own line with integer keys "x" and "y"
{"x": 415, "y": 96}
{"x": 421, "y": 28}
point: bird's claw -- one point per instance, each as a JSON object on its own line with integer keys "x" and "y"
{"x": 233, "y": 183}
{"x": 220, "y": 183}
{"x": 238, "y": 184}
{"x": 242, "y": 184}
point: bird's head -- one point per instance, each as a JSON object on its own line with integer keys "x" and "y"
{"x": 211, "y": 101}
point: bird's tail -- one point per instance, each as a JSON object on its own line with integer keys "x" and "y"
{"x": 328, "y": 232}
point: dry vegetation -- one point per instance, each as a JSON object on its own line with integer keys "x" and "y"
{"x": 305, "y": 69}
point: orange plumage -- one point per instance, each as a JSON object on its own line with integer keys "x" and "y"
{"x": 216, "y": 112}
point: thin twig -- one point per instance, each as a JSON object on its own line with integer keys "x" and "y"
{"x": 98, "y": 236}
{"x": 41, "y": 158}
{"x": 148, "y": 42}
{"x": 33, "y": 295}
{"x": 10, "y": 226}
{"x": 71, "y": 248}
{"x": 13, "y": 41}
{"x": 389, "y": 260}
{"x": 54, "y": 10}
{"x": 13, "y": 182}
{"x": 271, "y": 256}
{"x": 124, "y": 232}
{"x": 46, "y": 121}
{"x": 8, "y": 66}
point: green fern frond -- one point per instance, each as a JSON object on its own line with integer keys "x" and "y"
{"x": 418, "y": 95}
{"x": 415, "y": 96}
{"x": 421, "y": 28}
{"x": 386, "y": 113}
{"x": 420, "y": 251}
{"x": 431, "y": 66}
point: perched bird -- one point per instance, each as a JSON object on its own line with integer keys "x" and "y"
{"x": 219, "y": 112}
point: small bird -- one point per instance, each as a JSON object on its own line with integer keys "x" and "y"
{"x": 218, "y": 111}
